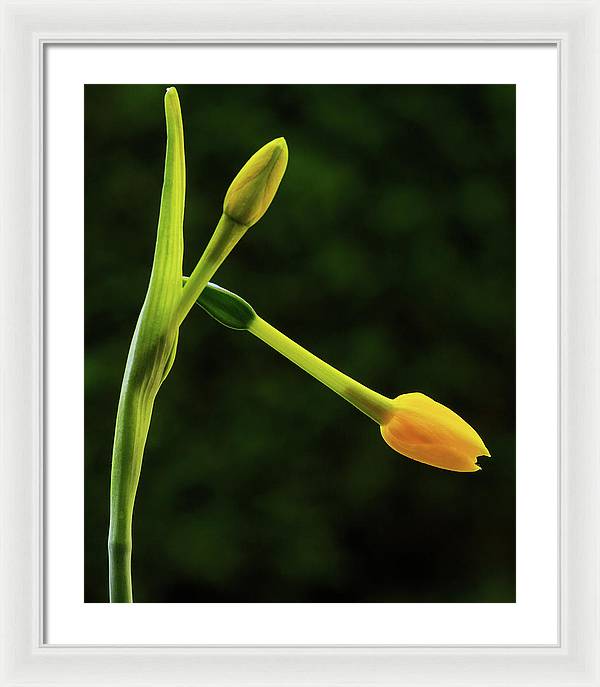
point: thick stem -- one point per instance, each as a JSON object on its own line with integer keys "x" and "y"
{"x": 119, "y": 569}
{"x": 131, "y": 431}
{"x": 372, "y": 404}
{"x": 150, "y": 357}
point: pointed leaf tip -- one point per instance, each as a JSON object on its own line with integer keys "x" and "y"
{"x": 172, "y": 101}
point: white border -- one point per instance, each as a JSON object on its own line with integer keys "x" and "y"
{"x": 533, "y": 619}
{"x": 25, "y": 27}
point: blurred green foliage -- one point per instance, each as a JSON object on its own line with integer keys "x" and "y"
{"x": 389, "y": 251}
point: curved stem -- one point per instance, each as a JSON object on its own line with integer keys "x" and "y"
{"x": 150, "y": 356}
{"x": 374, "y": 405}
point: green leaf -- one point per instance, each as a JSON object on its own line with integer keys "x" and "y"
{"x": 151, "y": 356}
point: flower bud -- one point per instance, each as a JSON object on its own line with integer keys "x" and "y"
{"x": 412, "y": 424}
{"x": 256, "y": 184}
{"x": 226, "y": 307}
{"x": 426, "y": 431}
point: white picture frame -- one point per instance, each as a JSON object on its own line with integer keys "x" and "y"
{"x": 27, "y": 27}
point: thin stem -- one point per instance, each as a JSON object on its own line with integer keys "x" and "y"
{"x": 374, "y": 405}
{"x": 227, "y": 233}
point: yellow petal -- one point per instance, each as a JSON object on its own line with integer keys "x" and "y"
{"x": 425, "y": 430}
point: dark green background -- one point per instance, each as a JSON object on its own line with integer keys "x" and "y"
{"x": 389, "y": 251}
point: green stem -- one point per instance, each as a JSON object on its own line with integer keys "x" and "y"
{"x": 119, "y": 570}
{"x": 150, "y": 356}
{"x": 374, "y": 405}
{"x": 131, "y": 431}
{"x": 227, "y": 233}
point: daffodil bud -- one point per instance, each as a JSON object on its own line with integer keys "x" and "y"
{"x": 412, "y": 424}
{"x": 256, "y": 184}
{"x": 426, "y": 431}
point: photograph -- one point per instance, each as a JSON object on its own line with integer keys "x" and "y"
{"x": 300, "y": 343}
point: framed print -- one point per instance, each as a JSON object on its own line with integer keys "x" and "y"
{"x": 203, "y": 495}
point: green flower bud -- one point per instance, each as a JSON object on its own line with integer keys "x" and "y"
{"x": 256, "y": 184}
{"x": 226, "y": 307}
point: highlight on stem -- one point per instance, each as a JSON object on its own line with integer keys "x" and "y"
{"x": 167, "y": 302}
{"x": 412, "y": 424}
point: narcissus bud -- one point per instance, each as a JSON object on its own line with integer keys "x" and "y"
{"x": 246, "y": 201}
{"x": 412, "y": 424}
{"x": 256, "y": 184}
{"x": 427, "y": 431}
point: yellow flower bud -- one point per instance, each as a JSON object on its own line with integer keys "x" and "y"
{"x": 256, "y": 184}
{"x": 423, "y": 429}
